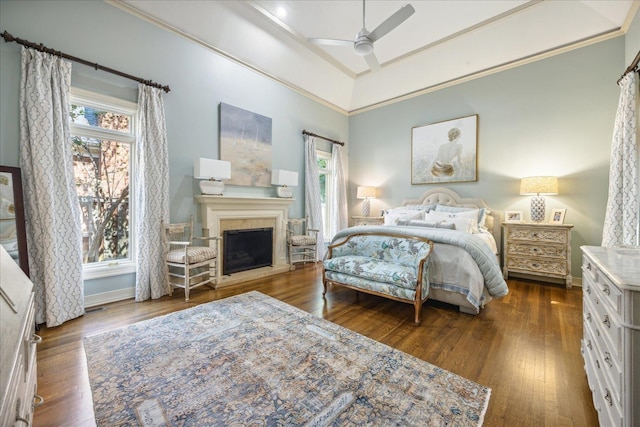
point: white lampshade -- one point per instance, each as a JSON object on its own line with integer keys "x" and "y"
{"x": 211, "y": 169}
{"x": 366, "y": 193}
{"x": 283, "y": 177}
{"x": 537, "y": 185}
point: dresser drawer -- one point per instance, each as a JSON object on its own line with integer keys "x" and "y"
{"x": 547, "y": 251}
{"x": 606, "y": 329}
{"x": 594, "y": 282}
{"x": 537, "y": 265}
{"x": 538, "y": 234}
{"x": 603, "y": 362}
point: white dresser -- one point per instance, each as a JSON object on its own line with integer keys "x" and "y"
{"x": 611, "y": 336}
{"x": 18, "y": 345}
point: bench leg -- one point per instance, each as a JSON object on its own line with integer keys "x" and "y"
{"x": 418, "y": 306}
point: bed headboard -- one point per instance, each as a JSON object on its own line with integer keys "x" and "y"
{"x": 446, "y": 196}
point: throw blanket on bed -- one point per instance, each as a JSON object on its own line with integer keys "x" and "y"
{"x": 477, "y": 249}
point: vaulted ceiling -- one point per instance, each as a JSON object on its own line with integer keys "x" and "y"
{"x": 444, "y": 42}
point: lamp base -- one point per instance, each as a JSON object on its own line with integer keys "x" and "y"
{"x": 212, "y": 188}
{"x": 285, "y": 192}
{"x": 366, "y": 207}
{"x": 537, "y": 209}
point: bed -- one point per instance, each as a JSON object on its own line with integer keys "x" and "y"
{"x": 464, "y": 269}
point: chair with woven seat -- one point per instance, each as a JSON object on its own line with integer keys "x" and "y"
{"x": 188, "y": 265}
{"x": 301, "y": 242}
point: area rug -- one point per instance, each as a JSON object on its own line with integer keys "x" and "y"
{"x": 251, "y": 360}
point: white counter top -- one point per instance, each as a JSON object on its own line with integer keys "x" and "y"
{"x": 622, "y": 265}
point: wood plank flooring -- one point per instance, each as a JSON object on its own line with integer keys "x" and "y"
{"x": 525, "y": 346}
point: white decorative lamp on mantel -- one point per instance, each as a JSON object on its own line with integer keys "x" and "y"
{"x": 366, "y": 193}
{"x": 286, "y": 180}
{"x": 538, "y": 186}
{"x": 211, "y": 172}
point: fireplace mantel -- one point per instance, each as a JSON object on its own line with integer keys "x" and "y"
{"x": 219, "y": 213}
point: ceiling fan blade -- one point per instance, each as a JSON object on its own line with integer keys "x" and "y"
{"x": 372, "y": 61}
{"x": 332, "y": 42}
{"x": 392, "y": 22}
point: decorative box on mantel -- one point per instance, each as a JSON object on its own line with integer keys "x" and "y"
{"x": 220, "y": 213}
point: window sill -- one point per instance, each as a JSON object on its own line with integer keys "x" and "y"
{"x": 108, "y": 270}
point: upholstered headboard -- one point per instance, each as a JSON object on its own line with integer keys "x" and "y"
{"x": 446, "y": 196}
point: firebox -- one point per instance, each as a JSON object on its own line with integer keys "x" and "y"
{"x": 246, "y": 249}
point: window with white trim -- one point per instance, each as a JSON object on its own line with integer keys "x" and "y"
{"x": 102, "y": 138}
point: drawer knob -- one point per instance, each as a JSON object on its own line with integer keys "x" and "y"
{"x": 588, "y": 317}
{"x": 607, "y": 359}
{"x": 605, "y": 289}
{"x": 589, "y": 346}
{"x": 607, "y": 321}
{"x": 607, "y": 397}
{"x": 588, "y": 289}
{"x": 589, "y": 266}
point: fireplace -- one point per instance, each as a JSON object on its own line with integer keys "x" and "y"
{"x": 222, "y": 213}
{"x": 247, "y": 249}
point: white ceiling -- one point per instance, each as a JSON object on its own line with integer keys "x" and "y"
{"x": 443, "y": 42}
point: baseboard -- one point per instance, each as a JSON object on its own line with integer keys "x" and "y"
{"x": 107, "y": 297}
{"x": 577, "y": 281}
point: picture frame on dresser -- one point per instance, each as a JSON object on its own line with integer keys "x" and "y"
{"x": 513, "y": 216}
{"x": 557, "y": 216}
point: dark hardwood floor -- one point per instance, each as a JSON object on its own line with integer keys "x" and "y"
{"x": 525, "y": 346}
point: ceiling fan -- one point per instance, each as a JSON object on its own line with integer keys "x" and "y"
{"x": 363, "y": 44}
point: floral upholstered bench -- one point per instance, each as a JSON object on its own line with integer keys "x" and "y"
{"x": 388, "y": 265}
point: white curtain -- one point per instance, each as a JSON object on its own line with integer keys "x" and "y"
{"x": 51, "y": 204}
{"x": 312, "y": 200}
{"x": 151, "y": 193}
{"x": 621, "y": 218}
{"x": 339, "y": 216}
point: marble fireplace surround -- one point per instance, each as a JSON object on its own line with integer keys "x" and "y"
{"x": 220, "y": 213}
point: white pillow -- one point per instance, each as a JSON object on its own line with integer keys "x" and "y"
{"x": 392, "y": 216}
{"x": 482, "y": 212}
{"x": 470, "y": 226}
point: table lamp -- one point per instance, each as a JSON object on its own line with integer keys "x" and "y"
{"x": 211, "y": 172}
{"x": 286, "y": 180}
{"x": 366, "y": 193}
{"x": 538, "y": 186}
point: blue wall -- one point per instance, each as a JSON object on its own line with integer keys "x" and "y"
{"x": 199, "y": 79}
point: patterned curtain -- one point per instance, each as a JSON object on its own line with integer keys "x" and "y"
{"x": 340, "y": 218}
{"x": 621, "y": 221}
{"x": 312, "y": 200}
{"x": 151, "y": 193}
{"x": 52, "y": 211}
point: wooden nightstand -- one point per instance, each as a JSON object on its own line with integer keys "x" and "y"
{"x": 538, "y": 251}
{"x": 367, "y": 220}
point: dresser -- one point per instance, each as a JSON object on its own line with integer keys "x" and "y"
{"x": 18, "y": 345}
{"x": 367, "y": 220}
{"x": 538, "y": 251}
{"x": 611, "y": 332}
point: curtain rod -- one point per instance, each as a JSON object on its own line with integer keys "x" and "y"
{"x": 42, "y": 48}
{"x": 631, "y": 68}
{"x": 305, "y": 132}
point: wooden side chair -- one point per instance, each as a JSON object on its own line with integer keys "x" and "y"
{"x": 189, "y": 265}
{"x": 301, "y": 241}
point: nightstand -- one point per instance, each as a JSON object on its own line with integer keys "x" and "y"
{"x": 367, "y": 220}
{"x": 538, "y": 251}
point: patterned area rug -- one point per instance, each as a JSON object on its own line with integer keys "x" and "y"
{"x": 252, "y": 360}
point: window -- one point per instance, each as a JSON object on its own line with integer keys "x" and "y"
{"x": 102, "y": 138}
{"x": 326, "y": 191}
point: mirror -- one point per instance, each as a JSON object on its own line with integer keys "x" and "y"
{"x": 12, "y": 224}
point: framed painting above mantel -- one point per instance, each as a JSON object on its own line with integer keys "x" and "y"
{"x": 445, "y": 151}
{"x": 245, "y": 142}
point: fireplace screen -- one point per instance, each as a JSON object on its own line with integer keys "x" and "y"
{"x": 246, "y": 249}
